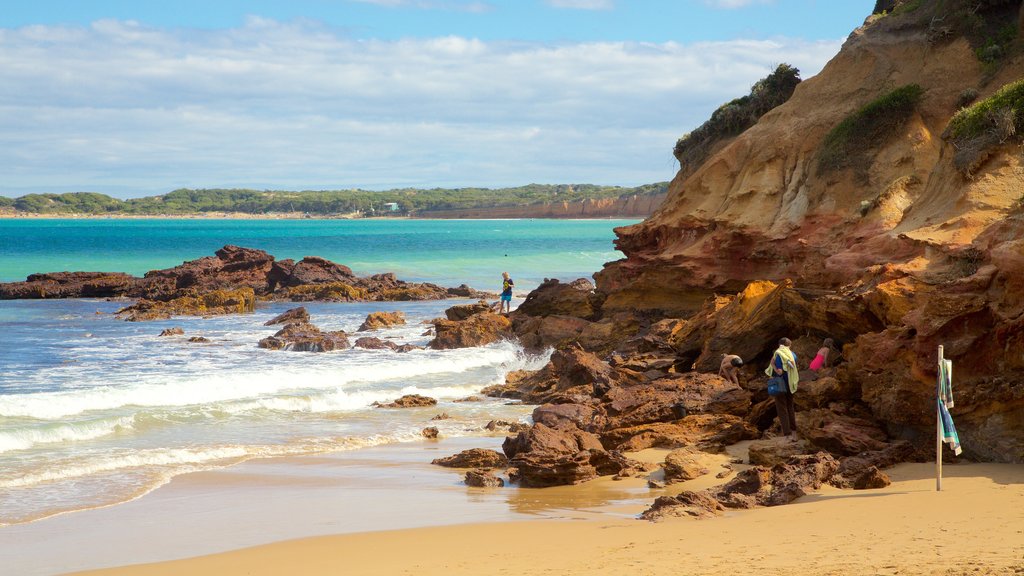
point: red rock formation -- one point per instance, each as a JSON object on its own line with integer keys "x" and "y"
{"x": 899, "y": 247}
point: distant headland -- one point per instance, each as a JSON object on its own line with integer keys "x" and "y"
{"x": 530, "y": 201}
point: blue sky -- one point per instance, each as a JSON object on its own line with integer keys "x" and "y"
{"x": 136, "y": 98}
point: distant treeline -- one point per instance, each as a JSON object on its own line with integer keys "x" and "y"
{"x": 404, "y": 201}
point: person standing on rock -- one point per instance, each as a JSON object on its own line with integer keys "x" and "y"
{"x": 783, "y": 365}
{"x": 730, "y": 368}
{"x": 505, "y": 304}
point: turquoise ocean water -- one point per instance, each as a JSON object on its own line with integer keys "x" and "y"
{"x": 95, "y": 411}
{"x": 444, "y": 251}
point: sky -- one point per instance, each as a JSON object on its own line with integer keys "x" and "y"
{"x": 134, "y": 98}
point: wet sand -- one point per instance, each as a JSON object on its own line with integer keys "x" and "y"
{"x": 387, "y": 511}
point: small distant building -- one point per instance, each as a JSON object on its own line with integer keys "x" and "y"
{"x": 391, "y": 206}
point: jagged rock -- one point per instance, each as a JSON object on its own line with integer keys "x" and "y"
{"x": 299, "y": 314}
{"x": 780, "y": 484}
{"x": 776, "y": 450}
{"x": 199, "y": 340}
{"x": 544, "y": 456}
{"x": 232, "y": 268}
{"x": 540, "y": 333}
{"x": 408, "y": 401}
{"x": 304, "y": 337}
{"x": 654, "y": 402}
{"x": 691, "y": 430}
{"x": 176, "y": 331}
{"x": 374, "y": 343}
{"x": 655, "y": 484}
{"x": 854, "y": 470}
{"x": 681, "y": 465}
{"x": 378, "y": 320}
{"x": 407, "y": 348}
{"x": 473, "y": 458}
{"x": 576, "y": 299}
{"x": 483, "y": 479}
{"x": 205, "y": 304}
{"x": 441, "y": 416}
{"x": 871, "y": 479}
{"x": 463, "y": 311}
{"x": 309, "y": 270}
{"x": 840, "y": 435}
{"x": 687, "y": 504}
{"x": 579, "y": 415}
{"x": 430, "y": 432}
{"x": 478, "y": 330}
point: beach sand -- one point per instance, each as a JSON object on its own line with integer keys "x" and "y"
{"x": 974, "y": 526}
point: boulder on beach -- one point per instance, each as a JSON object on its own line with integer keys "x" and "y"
{"x": 483, "y": 479}
{"x": 175, "y": 331}
{"x": 473, "y": 458}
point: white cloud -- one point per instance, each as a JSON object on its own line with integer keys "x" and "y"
{"x": 733, "y": 4}
{"x": 582, "y": 4}
{"x": 453, "y": 5}
{"x": 122, "y": 108}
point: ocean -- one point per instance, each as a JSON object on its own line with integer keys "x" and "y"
{"x": 95, "y": 411}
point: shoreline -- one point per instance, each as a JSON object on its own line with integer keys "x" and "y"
{"x": 975, "y": 526}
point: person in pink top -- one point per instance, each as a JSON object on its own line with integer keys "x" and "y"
{"x": 821, "y": 359}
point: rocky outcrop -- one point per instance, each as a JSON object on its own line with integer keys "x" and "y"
{"x": 552, "y": 298}
{"x": 69, "y": 285}
{"x": 230, "y": 270}
{"x": 758, "y": 486}
{"x": 378, "y": 320}
{"x": 176, "y": 331}
{"x": 891, "y": 247}
{"x": 559, "y": 455}
{"x": 483, "y": 479}
{"x": 305, "y": 337}
{"x": 477, "y": 330}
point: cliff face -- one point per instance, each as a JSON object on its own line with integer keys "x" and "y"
{"x": 626, "y": 207}
{"x": 921, "y": 250}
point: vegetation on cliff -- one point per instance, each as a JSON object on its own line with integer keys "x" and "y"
{"x": 737, "y": 115}
{"x": 851, "y": 142}
{"x": 980, "y": 128}
{"x": 403, "y": 201}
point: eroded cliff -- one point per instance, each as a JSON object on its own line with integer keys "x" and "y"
{"x": 894, "y": 234}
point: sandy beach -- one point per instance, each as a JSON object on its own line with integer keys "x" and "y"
{"x": 386, "y": 511}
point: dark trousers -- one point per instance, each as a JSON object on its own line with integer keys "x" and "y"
{"x": 786, "y": 411}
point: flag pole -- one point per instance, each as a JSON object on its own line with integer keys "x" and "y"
{"x": 938, "y": 426}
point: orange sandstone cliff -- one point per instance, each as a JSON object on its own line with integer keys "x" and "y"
{"x": 873, "y": 216}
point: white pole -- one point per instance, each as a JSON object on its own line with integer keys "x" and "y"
{"x": 938, "y": 426}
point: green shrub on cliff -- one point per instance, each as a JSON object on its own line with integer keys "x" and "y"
{"x": 979, "y": 129}
{"x": 852, "y": 140}
{"x": 737, "y": 115}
